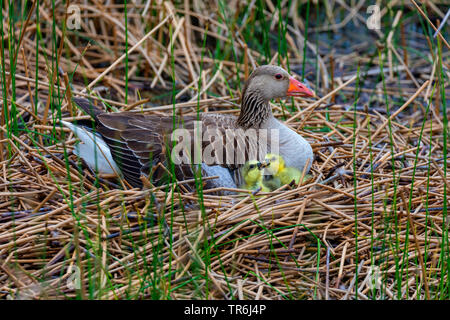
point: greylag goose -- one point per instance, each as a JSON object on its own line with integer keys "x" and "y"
{"x": 139, "y": 142}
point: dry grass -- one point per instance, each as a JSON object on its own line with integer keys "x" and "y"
{"x": 376, "y": 196}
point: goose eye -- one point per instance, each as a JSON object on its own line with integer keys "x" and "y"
{"x": 278, "y": 76}
{"x": 252, "y": 166}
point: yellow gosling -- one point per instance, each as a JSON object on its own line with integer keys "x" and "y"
{"x": 251, "y": 172}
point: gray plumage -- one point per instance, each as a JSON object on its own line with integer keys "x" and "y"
{"x": 139, "y": 142}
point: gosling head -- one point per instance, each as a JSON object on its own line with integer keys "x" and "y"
{"x": 252, "y": 172}
{"x": 273, "y": 163}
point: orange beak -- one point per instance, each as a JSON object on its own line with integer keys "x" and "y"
{"x": 298, "y": 89}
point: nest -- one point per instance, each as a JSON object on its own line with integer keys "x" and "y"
{"x": 370, "y": 223}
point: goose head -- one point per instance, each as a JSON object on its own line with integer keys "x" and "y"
{"x": 264, "y": 84}
{"x": 272, "y": 82}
